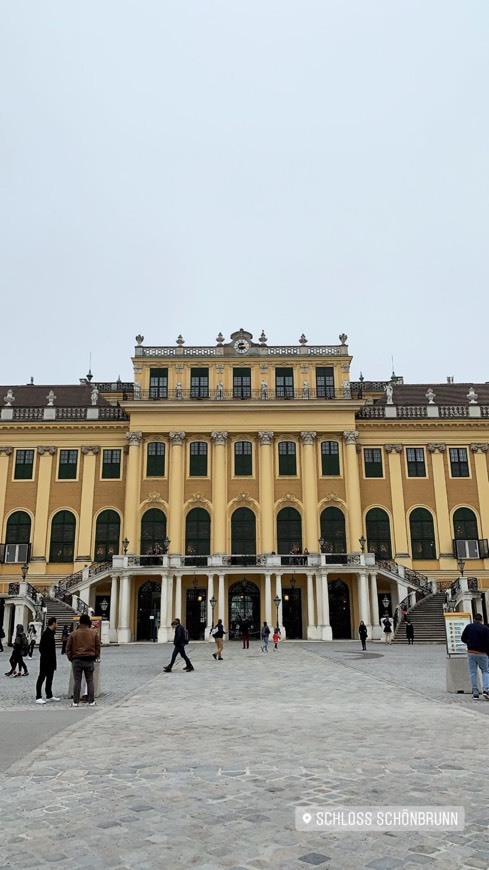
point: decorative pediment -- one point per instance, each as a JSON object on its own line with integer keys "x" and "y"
{"x": 288, "y": 497}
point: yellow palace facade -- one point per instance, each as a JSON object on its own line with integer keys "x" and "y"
{"x": 241, "y": 479}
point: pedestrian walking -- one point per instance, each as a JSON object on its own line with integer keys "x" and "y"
{"x": 276, "y": 637}
{"x": 67, "y": 629}
{"x": 20, "y": 648}
{"x": 32, "y": 637}
{"x": 362, "y": 631}
{"x": 83, "y": 650}
{"x": 476, "y": 636}
{"x": 218, "y": 633}
{"x": 47, "y": 662}
{"x": 2, "y": 635}
{"x": 180, "y": 640}
{"x": 265, "y": 636}
{"x": 409, "y": 632}
{"x": 387, "y": 629}
{"x": 245, "y": 632}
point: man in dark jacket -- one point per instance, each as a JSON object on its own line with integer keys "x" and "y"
{"x": 47, "y": 664}
{"x": 476, "y": 636}
{"x": 82, "y": 650}
{"x": 245, "y": 632}
{"x": 179, "y": 647}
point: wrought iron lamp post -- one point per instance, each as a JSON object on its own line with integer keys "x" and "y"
{"x": 385, "y": 602}
{"x": 362, "y": 541}
{"x": 461, "y": 566}
{"x": 277, "y": 602}
{"x": 322, "y": 544}
{"x": 125, "y": 545}
{"x": 24, "y": 569}
{"x": 166, "y": 544}
{"x": 213, "y": 603}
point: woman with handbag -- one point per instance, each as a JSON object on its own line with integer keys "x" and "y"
{"x": 218, "y": 634}
{"x": 362, "y": 631}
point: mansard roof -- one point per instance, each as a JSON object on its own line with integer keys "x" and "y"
{"x": 35, "y": 395}
{"x": 445, "y": 394}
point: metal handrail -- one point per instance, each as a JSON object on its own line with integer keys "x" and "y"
{"x": 216, "y": 394}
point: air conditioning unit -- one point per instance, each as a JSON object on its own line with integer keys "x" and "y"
{"x": 16, "y": 553}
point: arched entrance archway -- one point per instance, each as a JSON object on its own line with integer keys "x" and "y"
{"x": 243, "y": 601}
{"x": 149, "y": 603}
{"x": 339, "y": 609}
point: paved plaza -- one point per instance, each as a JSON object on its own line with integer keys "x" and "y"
{"x": 204, "y": 769}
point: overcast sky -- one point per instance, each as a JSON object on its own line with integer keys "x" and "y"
{"x": 196, "y": 166}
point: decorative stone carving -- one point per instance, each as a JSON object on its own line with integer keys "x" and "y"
{"x": 436, "y": 448}
{"x": 304, "y": 369}
{"x": 6, "y": 451}
{"x": 178, "y": 391}
{"x": 308, "y": 437}
{"x": 430, "y": 395}
{"x": 264, "y": 390}
{"x": 94, "y": 396}
{"x": 177, "y": 437}
{"x": 346, "y": 390}
{"x": 50, "y": 397}
{"x": 46, "y": 451}
{"x": 139, "y": 339}
{"x": 266, "y": 437}
{"x": 219, "y": 369}
{"x": 219, "y": 438}
{"x": 303, "y": 340}
{"x": 220, "y": 339}
{"x": 134, "y": 438}
{"x": 289, "y": 497}
{"x": 263, "y": 339}
{"x": 219, "y": 390}
{"x": 333, "y": 496}
{"x": 393, "y": 448}
{"x": 198, "y": 496}
{"x": 345, "y": 367}
{"x": 472, "y": 396}
{"x": 89, "y": 448}
{"x": 242, "y": 496}
{"x": 154, "y": 496}
{"x": 9, "y": 398}
{"x": 474, "y": 447}
{"x": 263, "y": 369}
{"x": 137, "y": 390}
{"x": 350, "y": 437}
{"x": 179, "y": 368}
{"x": 343, "y": 338}
{"x": 180, "y": 341}
{"x": 389, "y": 390}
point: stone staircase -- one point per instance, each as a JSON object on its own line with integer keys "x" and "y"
{"x": 63, "y": 613}
{"x": 428, "y": 621}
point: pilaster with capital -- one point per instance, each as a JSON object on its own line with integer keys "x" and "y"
{"x": 441, "y": 501}
{"x": 5, "y": 453}
{"x": 219, "y": 492}
{"x": 87, "y": 475}
{"x": 175, "y": 487}
{"x": 393, "y": 448}
{"x": 310, "y": 491}
{"x": 354, "y": 506}
{"x": 44, "y": 477}
{"x": 90, "y": 448}
{"x": 479, "y": 452}
{"x": 132, "y": 492}
{"x": 266, "y": 491}
{"x": 396, "y": 481}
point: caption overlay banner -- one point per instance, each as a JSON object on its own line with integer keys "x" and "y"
{"x": 389, "y": 818}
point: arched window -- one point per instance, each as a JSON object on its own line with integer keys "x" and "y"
{"x": 422, "y": 534}
{"x": 379, "y": 533}
{"x": 466, "y": 544}
{"x": 289, "y": 530}
{"x": 107, "y": 535}
{"x": 243, "y": 532}
{"x": 63, "y": 529}
{"x": 17, "y": 537}
{"x": 333, "y": 531}
{"x": 198, "y": 533}
{"x": 153, "y": 529}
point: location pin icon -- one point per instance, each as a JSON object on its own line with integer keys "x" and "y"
{"x": 306, "y": 818}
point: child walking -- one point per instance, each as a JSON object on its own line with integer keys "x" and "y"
{"x": 276, "y": 637}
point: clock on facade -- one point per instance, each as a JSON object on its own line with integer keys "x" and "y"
{"x": 241, "y": 345}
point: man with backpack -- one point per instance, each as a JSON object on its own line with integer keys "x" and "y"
{"x": 180, "y": 640}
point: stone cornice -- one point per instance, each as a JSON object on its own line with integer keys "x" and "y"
{"x": 483, "y": 447}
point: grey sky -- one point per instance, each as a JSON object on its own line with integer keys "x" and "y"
{"x": 190, "y": 167}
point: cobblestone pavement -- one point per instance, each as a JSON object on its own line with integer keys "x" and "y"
{"x": 204, "y": 769}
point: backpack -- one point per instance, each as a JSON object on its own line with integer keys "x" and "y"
{"x": 185, "y": 636}
{"x": 24, "y": 645}
{"x": 215, "y": 631}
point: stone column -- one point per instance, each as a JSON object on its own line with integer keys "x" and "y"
{"x": 319, "y": 605}
{"x": 363, "y": 608}
{"x": 354, "y": 504}
{"x": 42, "y": 506}
{"x": 113, "y": 609}
{"x": 219, "y": 493}
{"x": 221, "y": 600}
{"x": 311, "y": 627}
{"x": 268, "y": 598}
{"x": 326, "y": 631}
{"x": 445, "y": 536}
{"x": 132, "y": 492}
{"x": 278, "y": 591}
{"x": 5, "y": 452}
{"x": 164, "y": 627}
{"x": 374, "y": 608}
{"x": 480, "y": 463}
{"x": 169, "y": 603}
{"x": 175, "y": 486}
{"x": 266, "y": 492}
{"x": 87, "y": 474}
{"x": 178, "y": 597}
{"x": 7, "y": 617}
{"x": 210, "y": 594}
{"x": 310, "y": 491}
{"x": 124, "y": 632}
{"x": 400, "y": 548}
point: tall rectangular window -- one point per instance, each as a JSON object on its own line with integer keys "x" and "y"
{"x": 330, "y": 458}
{"x": 459, "y": 462}
{"x": 155, "y": 459}
{"x": 241, "y": 383}
{"x": 284, "y": 383}
{"x": 158, "y": 383}
{"x": 198, "y": 459}
{"x": 415, "y": 462}
{"x": 242, "y": 459}
{"x": 372, "y": 458}
{"x": 199, "y": 383}
{"x": 325, "y": 383}
{"x": 68, "y": 460}
{"x": 111, "y": 464}
{"x": 287, "y": 461}
{"x": 24, "y": 464}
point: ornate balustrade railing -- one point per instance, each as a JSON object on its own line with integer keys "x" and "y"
{"x": 105, "y": 412}
{"x": 414, "y": 578}
{"x": 218, "y": 394}
{"x": 14, "y": 588}
{"x": 263, "y": 350}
